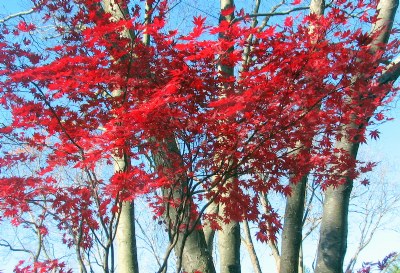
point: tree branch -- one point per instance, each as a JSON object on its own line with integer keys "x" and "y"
{"x": 7, "y": 244}
{"x": 392, "y": 72}
{"x": 19, "y": 14}
{"x": 273, "y": 246}
{"x": 248, "y": 242}
{"x": 269, "y": 14}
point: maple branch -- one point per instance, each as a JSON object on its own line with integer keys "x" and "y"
{"x": 313, "y": 226}
{"x": 174, "y": 6}
{"x": 209, "y": 232}
{"x": 78, "y": 248}
{"x": 247, "y": 49}
{"x": 108, "y": 230}
{"x": 314, "y": 186}
{"x": 168, "y": 253}
{"x": 266, "y": 19}
{"x": 38, "y": 233}
{"x": 269, "y": 14}
{"x": 7, "y": 244}
{"x": 248, "y": 242}
{"x": 273, "y": 246}
{"x": 19, "y": 14}
{"x": 391, "y": 72}
{"x": 179, "y": 218}
{"x": 59, "y": 121}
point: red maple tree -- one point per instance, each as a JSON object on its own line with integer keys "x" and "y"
{"x": 96, "y": 92}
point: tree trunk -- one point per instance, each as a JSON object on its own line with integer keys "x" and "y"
{"x": 195, "y": 255}
{"x": 293, "y": 219}
{"x": 301, "y": 262}
{"x": 292, "y": 228}
{"x": 229, "y": 246}
{"x": 190, "y": 246}
{"x": 229, "y": 235}
{"x": 209, "y": 233}
{"x": 126, "y": 241}
{"x": 334, "y": 225}
{"x": 333, "y": 233}
{"x": 127, "y": 261}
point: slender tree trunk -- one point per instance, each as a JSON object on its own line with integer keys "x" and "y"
{"x": 301, "y": 262}
{"x": 293, "y": 219}
{"x": 250, "y": 247}
{"x": 229, "y": 247}
{"x": 293, "y": 227}
{"x": 334, "y": 225}
{"x": 229, "y": 235}
{"x": 127, "y": 261}
{"x": 272, "y": 244}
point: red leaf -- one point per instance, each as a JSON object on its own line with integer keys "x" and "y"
{"x": 374, "y": 134}
{"x": 365, "y": 182}
{"x": 199, "y": 21}
{"x": 228, "y": 11}
{"x": 379, "y": 116}
{"x": 24, "y": 27}
{"x": 289, "y": 21}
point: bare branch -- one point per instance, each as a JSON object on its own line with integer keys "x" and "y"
{"x": 7, "y": 244}
{"x": 19, "y": 14}
{"x": 250, "y": 247}
{"x": 273, "y": 9}
{"x": 269, "y": 14}
{"x": 273, "y": 246}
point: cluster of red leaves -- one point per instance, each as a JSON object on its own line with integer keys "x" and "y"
{"x": 297, "y": 87}
{"x": 41, "y": 267}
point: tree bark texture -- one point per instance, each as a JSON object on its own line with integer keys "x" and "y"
{"x": 229, "y": 247}
{"x": 127, "y": 261}
{"x": 209, "y": 233}
{"x": 126, "y": 240}
{"x": 292, "y": 228}
{"x": 293, "y": 219}
{"x": 334, "y": 225}
{"x": 229, "y": 236}
{"x": 190, "y": 247}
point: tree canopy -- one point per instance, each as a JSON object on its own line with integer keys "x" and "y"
{"x": 110, "y": 104}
